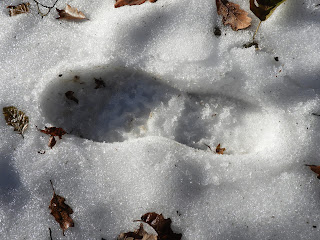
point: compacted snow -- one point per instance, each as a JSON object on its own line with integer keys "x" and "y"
{"x": 138, "y": 144}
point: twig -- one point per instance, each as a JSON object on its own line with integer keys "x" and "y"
{"x": 208, "y": 147}
{"x": 39, "y": 11}
{"x": 255, "y": 33}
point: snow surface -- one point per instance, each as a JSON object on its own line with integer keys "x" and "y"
{"x": 138, "y": 145}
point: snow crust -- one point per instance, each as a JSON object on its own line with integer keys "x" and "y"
{"x": 138, "y": 145}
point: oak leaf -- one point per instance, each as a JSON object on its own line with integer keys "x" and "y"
{"x": 120, "y": 3}
{"x": 265, "y": 8}
{"x": 70, "y": 13}
{"x": 137, "y": 234}
{"x": 161, "y": 225}
{"x": 233, "y": 15}
{"x": 61, "y": 211}
{"x": 18, "y": 9}
{"x": 220, "y": 150}
{"x": 315, "y": 169}
{"x": 15, "y": 118}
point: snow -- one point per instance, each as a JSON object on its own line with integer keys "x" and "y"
{"x": 138, "y": 145}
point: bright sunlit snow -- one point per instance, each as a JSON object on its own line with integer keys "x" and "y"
{"x": 138, "y": 144}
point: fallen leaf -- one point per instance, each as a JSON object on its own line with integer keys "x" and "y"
{"x": 61, "y": 211}
{"x": 52, "y": 142}
{"x": 315, "y": 169}
{"x": 233, "y": 15}
{"x": 137, "y": 234}
{"x": 53, "y": 131}
{"x": 70, "y": 13}
{"x": 99, "y": 83}
{"x": 18, "y": 9}
{"x": 120, "y": 3}
{"x": 70, "y": 96}
{"x": 16, "y": 118}
{"x": 161, "y": 226}
{"x": 220, "y": 150}
{"x": 265, "y": 8}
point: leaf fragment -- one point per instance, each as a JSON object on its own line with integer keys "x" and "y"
{"x": 99, "y": 83}
{"x": 137, "y": 234}
{"x": 233, "y": 15}
{"x": 161, "y": 225}
{"x": 16, "y": 118}
{"x": 70, "y": 13}
{"x": 315, "y": 169}
{"x": 61, "y": 211}
{"x": 265, "y": 8}
{"x": 120, "y": 3}
{"x": 19, "y": 9}
{"x": 70, "y": 96}
{"x": 220, "y": 150}
{"x": 52, "y": 142}
{"x": 54, "y": 131}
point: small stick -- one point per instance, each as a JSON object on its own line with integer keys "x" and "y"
{"x": 208, "y": 147}
{"x": 255, "y": 33}
{"x": 52, "y": 185}
{"x": 50, "y": 232}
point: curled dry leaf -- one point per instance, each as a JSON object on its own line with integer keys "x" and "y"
{"x": 315, "y": 169}
{"x": 52, "y": 142}
{"x": 161, "y": 225}
{"x": 61, "y": 211}
{"x": 233, "y": 15}
{"x": 137, "y": 234}
{"x": 220, "y": 150}
{"x": 70, "y": 13}
{"x": 70, "y": 96}
{"x": 16, "y": 118}
{"x": 265, "y": 8}
{"x": 19, "y": 9}
{"x": 120, "y": 3}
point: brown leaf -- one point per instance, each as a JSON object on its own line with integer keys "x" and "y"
{"x": 54, "y": 131}
{"x": 161, "y": 226}
{"x": 61, "y": 211}
{"x": 70, "y": 96}
{"x": 316, "y": 169}
{"x": 220, "y": 150}
{"x": 233, "y": 15}
{"x": 70, "y": 13}
{"x": 120, "y": 3}
{"x": 15, "y": 118}
{"x": 52, "y": 142}
{"x": 21, "y": 8}
{"x": 137, "y": 234}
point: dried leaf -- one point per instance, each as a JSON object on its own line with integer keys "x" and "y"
{"x": 137, "y": 234}
{"x": 120, "y": 3}
{"x": 61, "y": 211}
{"x": 16, "y": 118}
{"x": 52, "y": 142}
{"x": 70, "y": 13}
{"x": 70, "y": 96}
{"x": 233, "y": 15}
{"x": 99, "y": 83}
{"x": 54, "y": 131}
{"x": 161, "y": 226}
{"x": 220, "y": 150}
{"x": 315, "y": 169}
{"x": 265, "y": 8}
{"x": 21, "y": 8}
